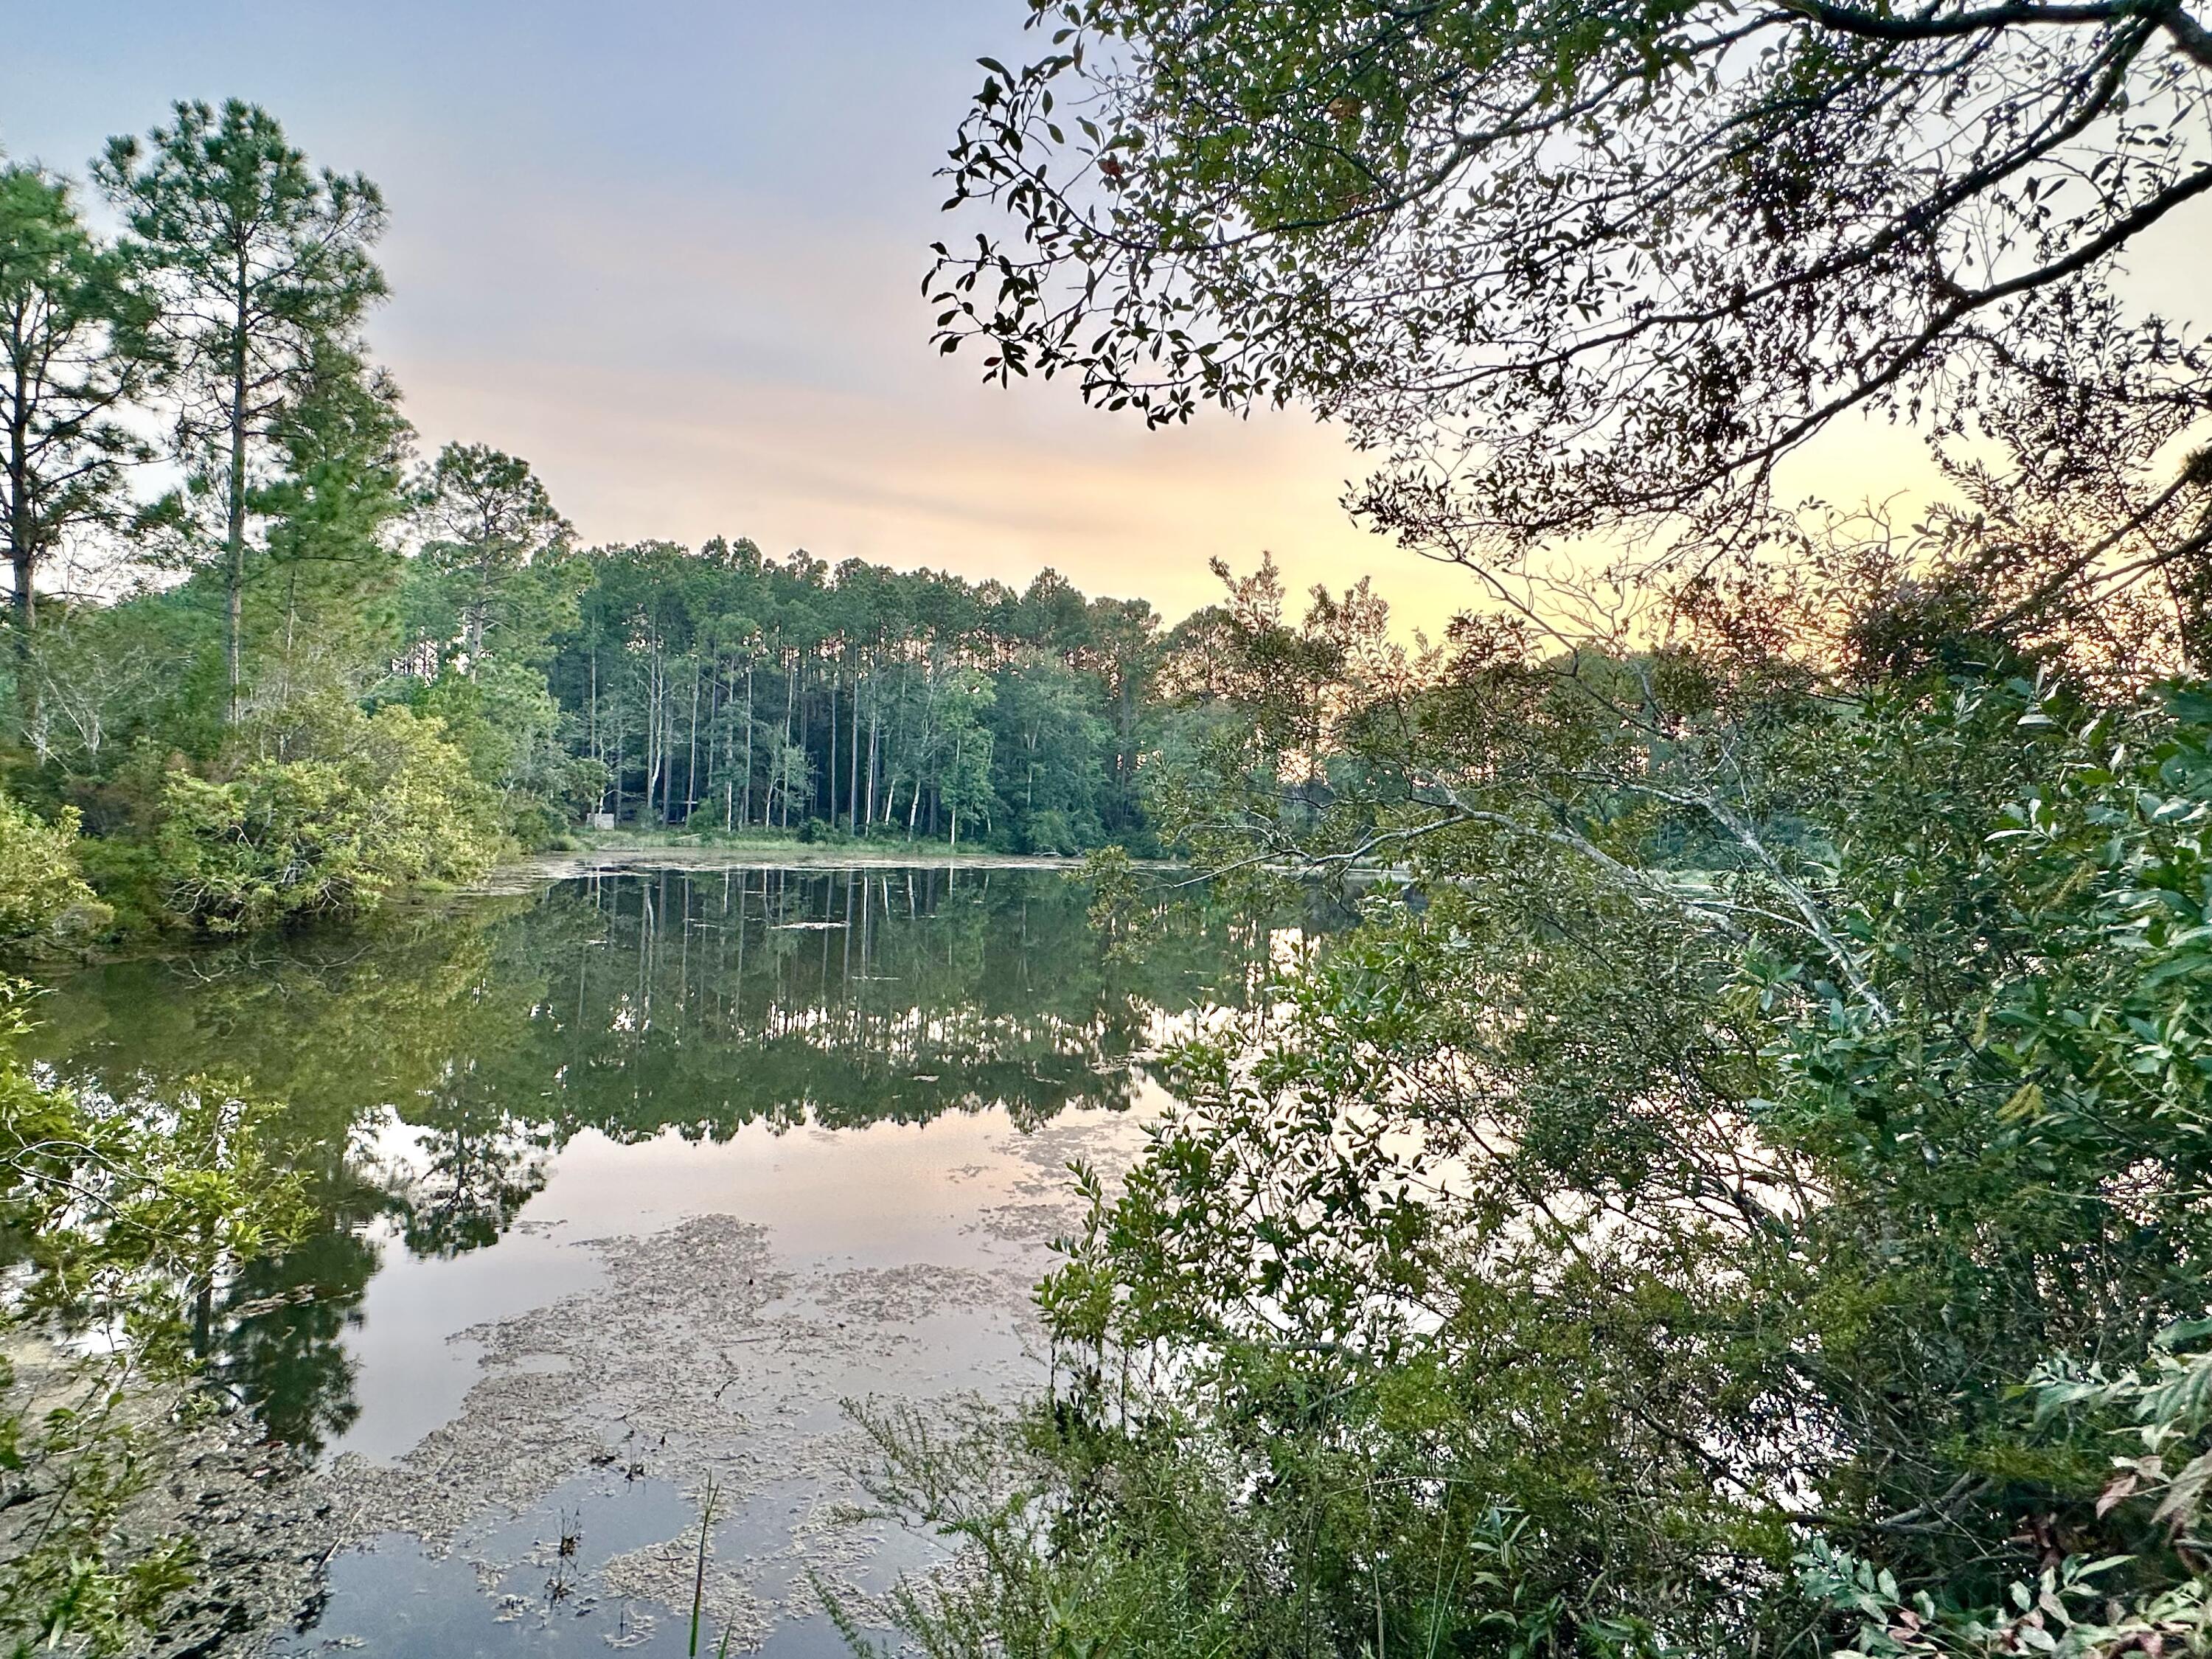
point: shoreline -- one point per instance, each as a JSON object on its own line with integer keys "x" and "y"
{"x": 518, "y": 875}
{"x": 528, "y": 873}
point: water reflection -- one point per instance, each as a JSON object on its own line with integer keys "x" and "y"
{"x": 433, "y": 1065}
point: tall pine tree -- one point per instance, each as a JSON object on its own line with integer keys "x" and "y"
{"x": 262, "y": 264}
{"x": 75, "y": 352}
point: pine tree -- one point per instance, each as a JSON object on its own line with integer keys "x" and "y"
{"x": 489, "y": 519}
{"x": 260, "y": 263}
{"x": 73, "y": 353}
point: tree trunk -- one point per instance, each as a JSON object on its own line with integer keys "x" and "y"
{"x": 830, "y": 778}
{"x": 592, "y": 718}
{"x": 875, "y": 720}
{"x": 748, "y": 815}
{"x": 234, "y": 503}
{"x": 1126, "y": 761}
{"x": 652, "y": 697}
{"x": 291, "y": 619}
{"x": 714, "y": 767}
{"x": 667, "y": 751}
{"x": 22, "y": 551}
{"x": 783, "y": 756}
{"x": 692, "y": 752}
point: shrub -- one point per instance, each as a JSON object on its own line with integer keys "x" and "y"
{"x": 43, "y": 898}
{"x": 372, "y": 802}
{"x": 503, "y": 718}
{"x": 1640, "y": 1245}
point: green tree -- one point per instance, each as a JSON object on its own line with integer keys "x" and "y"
{"x": 1051, "y": 750}
{"x": 1765, "y": 1086}
{"x": 43, "y": 896}
{"x": 325, "y": 602}
{"x": 324, "y": 810}
{"x": 111, "y": 676}
{"x": 489, "y": 519}
{"x": 699, "y": 681}
{"x": 1124, "y": 647}
{"x": 75, "y": 356}
{"x": 261, "y": 264}
{"x": 504, "y": 719}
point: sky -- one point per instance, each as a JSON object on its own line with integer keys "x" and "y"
{"x": 671, "y": 254}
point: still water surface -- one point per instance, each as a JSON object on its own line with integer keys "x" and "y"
{"x": 623, "y": 1185}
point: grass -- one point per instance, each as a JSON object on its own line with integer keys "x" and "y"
{"x": 699, "y": 1578}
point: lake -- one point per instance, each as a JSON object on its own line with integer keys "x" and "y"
{"x": 623, "y": 1185}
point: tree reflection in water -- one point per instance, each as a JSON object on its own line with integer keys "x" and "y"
{"x": 433, "y": 1063}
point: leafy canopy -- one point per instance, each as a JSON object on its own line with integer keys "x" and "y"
{"x": 1581, "y": 270}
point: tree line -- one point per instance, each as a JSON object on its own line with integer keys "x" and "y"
{"x": 728, "y": 689}
{"x": 271, "y": 665}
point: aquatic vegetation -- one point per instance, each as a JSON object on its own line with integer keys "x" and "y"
{"x": 435, "y": 1062}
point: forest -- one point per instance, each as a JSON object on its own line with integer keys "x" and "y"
{"x": 1719, "y": 1160}
{"x": 268, "y": 663}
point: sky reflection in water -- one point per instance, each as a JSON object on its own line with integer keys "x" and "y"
{"x": 884, "y": 1069}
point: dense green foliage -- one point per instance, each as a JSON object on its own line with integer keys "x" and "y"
{"x": 1742, "y": 1190}
{"x": 724, "y": 690}
{"x": 1659, "y": 1208}
{"x": 43, "y": 896}
{"x": 376, "y": 801}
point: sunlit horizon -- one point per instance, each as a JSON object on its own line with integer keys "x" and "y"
{"x": 683, "y": 279}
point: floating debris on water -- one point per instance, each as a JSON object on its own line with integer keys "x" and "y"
{"x": 700, "y": 1357}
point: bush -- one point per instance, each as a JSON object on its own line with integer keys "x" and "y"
{"x": 1602, "y": 1258}
{"x": 535, "y": 827}
{"x": 503, "y": 718}
{"x": 370, "y": 803}
{"x": 1049, "y": 831}
{"x": 43, "y": 898}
